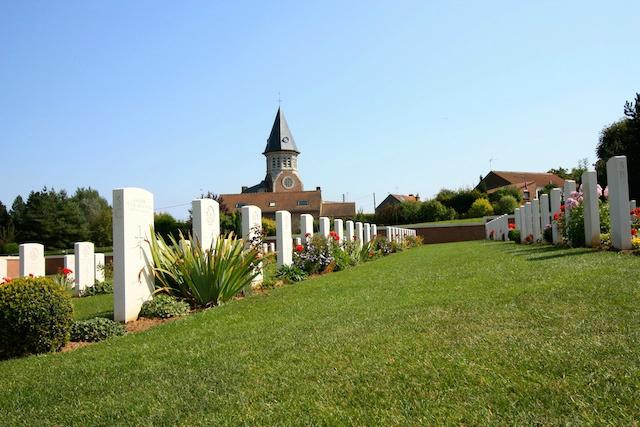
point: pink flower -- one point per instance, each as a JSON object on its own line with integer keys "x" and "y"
{"x": 599, "y": 190}
{"x": 572, "y": 203}
{"x": 605, "y": 192}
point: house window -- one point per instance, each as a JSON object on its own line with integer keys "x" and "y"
{"x": 525, "y": 194}
{"x": 272, "y": 204}
{"x": 303, "y": 203}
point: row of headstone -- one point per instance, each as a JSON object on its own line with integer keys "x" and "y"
{"x": 535, "y": 216}
{"x": 399, "y": 234}
{"x": 86, "y": 266}
{"x": 133, "y": 227}
{"x": 497, "y": 228}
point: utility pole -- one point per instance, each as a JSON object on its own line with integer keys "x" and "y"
{"x": 343, "y": 198}
{"x": 374, "y": 201}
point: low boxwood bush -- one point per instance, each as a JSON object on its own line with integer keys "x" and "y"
{"x": 291, "y": 273}
{"x": 96, "y": 329}
{"x": 35, "y": 316}
{"x": 164, "y": 306}
{"x": 98, "y": 288}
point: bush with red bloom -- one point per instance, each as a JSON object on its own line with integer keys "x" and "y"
{"x": 512, "y": 226}
{"x": 5, "y": 280}
{"x": 634, "y": 232}
{"x": 299, "y": 248}
{"x": 556, "y": 216}
{"x": 561, "y": 208}
{"x": 307, "y": 234}
{"x": 66, "y": 271}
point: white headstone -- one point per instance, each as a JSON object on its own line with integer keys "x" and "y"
{"x": 516, "y": 215}
{"x": 350, "y": 232}
{"x": 535, "y": 210}
{"x": 283, "y": 238}
{"x": 272, "y": 247}
{"x": 265, "y": 248}
{"x": 306, "y": 225}
{"x": 206, "y": 222}
{"x": 251, "y": 224}
{"x": 569, "y": 187}
{"x": 619, "y": 209}
{"x": 3, "y": 269}
{"x": 69, "y": 262}
{"x": 545, "y": 216}
{"x": 133, "y": 278}
{"x": 339, "y": 229}
{"x": 31, "y": 259}
{"x": 252, "y": 233}
{"x": 366, "y": 236}
{"x": 298, "y": 241}
{"x": 99, "y": 264}
{"x": 556, "y": 195}
{"x": 324, "y": 228}
{"x": 359, "y": 233}
{"x": 374, "y": 231}
{"x": 85, "y": 274}
{"x": 591, "y": 208}
{"x": 528, "y": 212}
{"x": 632, "y": 205}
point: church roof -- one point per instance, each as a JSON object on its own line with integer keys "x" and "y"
{"x": 280, "y": 138}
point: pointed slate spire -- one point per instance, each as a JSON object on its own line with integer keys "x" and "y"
{"x": 280, "y": 138}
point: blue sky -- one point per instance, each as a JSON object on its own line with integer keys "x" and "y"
{"x": 179, "y": 97}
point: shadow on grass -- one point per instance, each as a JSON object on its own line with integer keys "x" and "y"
{"x": 545, "y": 252}
{"x": 566, "y": 253}
{"x": 534, "y": 249}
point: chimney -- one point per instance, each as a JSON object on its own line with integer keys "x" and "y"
{"x": 244, "y": 188}
{"x": 317, "y": 188}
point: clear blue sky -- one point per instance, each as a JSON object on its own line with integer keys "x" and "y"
{"x": 179, "y": 97}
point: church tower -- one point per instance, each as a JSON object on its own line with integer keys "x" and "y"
{"x": 282, "y": 158}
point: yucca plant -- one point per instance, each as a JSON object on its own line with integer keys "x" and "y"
{"x": 203, "y": 277}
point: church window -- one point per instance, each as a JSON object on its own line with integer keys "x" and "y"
{"x": 288, "y": 162}
{"x": 273, "y": 162}
{"x": 278, "y": 162}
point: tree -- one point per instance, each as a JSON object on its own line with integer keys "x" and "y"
{"x": 166, "y": 225}
{"x": 97, "y": 215}
{"x": 480, "y": 208}
{"x": 622, "y": 138}
{"x": 433, "y": 210}
{"x": 506, "y": 205}
{"x": 460, "y": 200}
{"x": 49, "y": 217}
{"x": 575, "y": 173}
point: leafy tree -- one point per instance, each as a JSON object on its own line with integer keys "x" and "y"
{"x": 166, "y": 225}
{"x": 506, "y": 205}
{"x": 460, "y": 200}
{"x": 97, "y": 215}
{"x": 433, "y": 210}
{"x": 575, "y": 173}
{"x": 511, "y": 190}
{"x": 51, "y": 218}
{"x": 622, "y": 138}
{"x": 479, "y": 208}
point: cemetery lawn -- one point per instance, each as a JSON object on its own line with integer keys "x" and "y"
{"x": 447, "y": 222}
{"x": 93, "y": 306}
{"x": 472, "y": 333}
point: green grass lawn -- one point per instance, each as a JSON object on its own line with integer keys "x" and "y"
{"x": 93, "y": 306}
{"x": 473, "y": 333}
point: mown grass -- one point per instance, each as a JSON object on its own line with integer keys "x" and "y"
{"x": 472, "y": 333}
{"x": 93, "y": 306}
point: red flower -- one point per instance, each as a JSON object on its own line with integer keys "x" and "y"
{"x": 66, "y": 271}
{"x": 512, "y": 226}
{"x": 634, "y": 232}
{"x": 299, "y": 248}
{"x": 556, "y": 216}
{"x": 6, "y": 279}
{"x": 30, "y": 274}
{"x": 561, "y": 208}
{"x": 307, "y": 234}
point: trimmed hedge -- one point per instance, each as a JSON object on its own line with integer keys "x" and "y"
{"x": 35, "y": 316}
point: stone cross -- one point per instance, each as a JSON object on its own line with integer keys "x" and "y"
{"x": 306, "y": 225}
{"x": 556, "y": 195}
{"x": 339, "y": 229}
{"x": 99, "y": 264}
{"x": 324, "y": 228}
{"x": 591, "y": 209}
{"x": 619, "y": 209}
{"x": 133, "y": 277}
{"x": 85, "y": 266}
{"x": 283, "y": 238}
{"x": 206, "y": 222}
{"x": 31, "y": 259}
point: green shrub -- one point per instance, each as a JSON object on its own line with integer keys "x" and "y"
{"x": 35, "y": 316}
{"x": 574, "y": 230}
{"x": 203, "y": 278}
{"x": 433, "y": 210}
{"x": 10, "y": 248}
{"x": 413, "y": 241}
{"x": 98, "y": 288}
{"x": 547, "y": 234}
{"x": 511, "y": 190}
{"x": 291, "y": 273}
{"x": 96, "y": 329}
{"x": 514, "y": 236}
{"x": 479, "y": 208}
{"x": 460, "y": 200}
{"x": 268, "y": 227}
{"x": 164, "y": 306}
{"x": 505, "y": 205}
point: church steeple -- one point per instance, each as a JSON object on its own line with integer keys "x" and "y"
{"x": 280, "y": 138}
